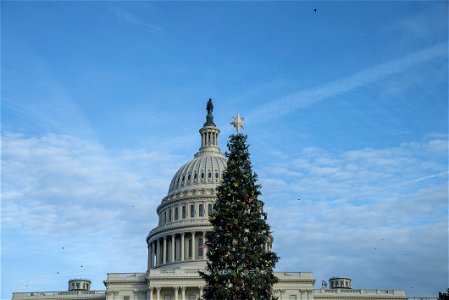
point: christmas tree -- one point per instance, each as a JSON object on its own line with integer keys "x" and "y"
{"x": 240, "y": 262}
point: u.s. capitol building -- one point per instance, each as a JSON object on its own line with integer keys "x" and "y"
{"x": 176, "y": 252}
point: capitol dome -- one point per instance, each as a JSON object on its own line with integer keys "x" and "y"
{"x": 178, "y": 240}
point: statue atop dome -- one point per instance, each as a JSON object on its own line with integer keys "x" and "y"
{"x": 209, "y": 117}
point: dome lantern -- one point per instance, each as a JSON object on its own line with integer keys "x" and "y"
{"x": 209, "y": 134}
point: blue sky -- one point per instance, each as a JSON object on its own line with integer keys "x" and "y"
{"x": 345, "y": 108}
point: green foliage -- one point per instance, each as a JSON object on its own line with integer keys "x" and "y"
{"x": 444, "y": 296}
{"x": 239, "y": 266}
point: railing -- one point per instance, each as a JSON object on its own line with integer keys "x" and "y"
{"x": 56, "y": 293}
{"x": 176, "y": 271}
{"x": 286, "y": 275}
{"x": 362, "y": 292}
{"x": 124, "y": 276}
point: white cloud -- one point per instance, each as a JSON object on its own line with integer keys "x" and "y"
{"x": 58, "y": 190}
{"x": 380, "y": 210}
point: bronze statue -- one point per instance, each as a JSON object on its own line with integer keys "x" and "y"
{"x": 210, "y": 106}
{"x": 209, "y": 117}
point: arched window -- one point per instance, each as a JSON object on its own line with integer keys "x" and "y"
{"x": 209, "y": 209}
{"x": 201, "y": 210}
{"x": 195, "y": 176}
{"x": 184, "y": 212}
{"x": 188, "y": 177}
{"x": 202, "y": 175}
{"x": 216, "y": 175}
{"x": 192, "y": 210}
{"x": 176, "y": 213}
{"x": 209, "y": 175}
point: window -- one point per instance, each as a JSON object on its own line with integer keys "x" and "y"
{"x": 209, "y": 175}
{"x": 192, "y": 210}
{"x": 167, "y": 298}
{"x": 292, "y": 297}
{"x": 77, "y": 285}
{"x": 216, "y": 175}
{"x": 189, "y": 177}
{"x": 201, "y": 210}
{"x": 165, "y": 216}
{"x": 209, "y": 209}
{"x": 169, "y": 215}
{"x": 200, "y": 248}
{"x": 192, "y": 297}
{"x": 183, "y": 178}
{"x": 202, "y": 175}
{"x": 195, "y": 176}
{"x": 190, "y": 248}
{"x": 176, "y": 213}
{"x": 184, "y": 212}
{"x": 125, "y": 297}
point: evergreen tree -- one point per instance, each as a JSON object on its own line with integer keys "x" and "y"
{"x": 443, "y": 296}
{"x": 240, "y": 265}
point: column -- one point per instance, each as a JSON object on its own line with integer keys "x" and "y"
{"x": 193, "y": 246}
{"x": 149, "y": 293}
{"x": 201, "y": 292}
{"x": 152, "y": 255}
{"x": 164, "y": 251}
{"x": 158, "y": 293}
{"x": 182, "y": 246}
{"x": 204, "y": 245}
{"x": 159, "y": 253}
{"x": 173, "y": 248}
{"x": 176, "y": 292}
{"x": 183, "y": 293}
{"x": 149, "y": 257}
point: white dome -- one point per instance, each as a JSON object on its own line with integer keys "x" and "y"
{"x": 204, "y": 171}
{"x": 184, "y": 212}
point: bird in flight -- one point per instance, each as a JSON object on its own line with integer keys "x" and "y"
{"x": 314, "y": 10}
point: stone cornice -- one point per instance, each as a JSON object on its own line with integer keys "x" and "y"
{"x": 181, "y": 227}
{"x": 194, "y": 194}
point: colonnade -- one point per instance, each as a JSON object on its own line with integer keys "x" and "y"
{"x": 209, "y": 137}
{"x": 179, "y": 293}
{"x": 177, "y": 247}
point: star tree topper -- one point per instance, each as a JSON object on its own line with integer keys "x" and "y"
{"x": 237, "y": 122}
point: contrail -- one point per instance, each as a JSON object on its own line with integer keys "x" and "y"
{"x": 394, "y": 185}
{"x": 304, "y": 98}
